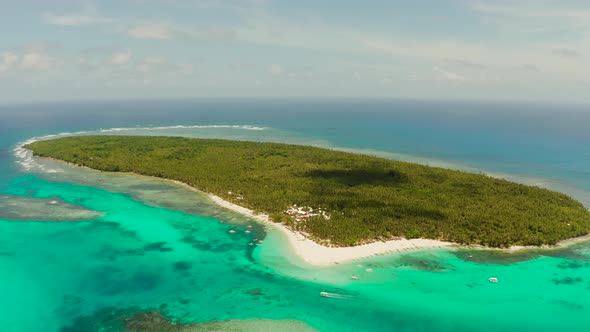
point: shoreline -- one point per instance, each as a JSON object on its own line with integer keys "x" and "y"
{"x": 314, "y": 253}
{"x": 318, "y": 255}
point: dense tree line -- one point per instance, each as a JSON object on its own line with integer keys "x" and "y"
{"x": 368, "y": 198}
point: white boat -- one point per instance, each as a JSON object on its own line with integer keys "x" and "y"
{"x": 354, "y": 278}
{"x": 334, "y": 295}
{"x": 494, "y": 280}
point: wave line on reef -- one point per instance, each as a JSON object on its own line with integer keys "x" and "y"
{"x": 244, "y": 127}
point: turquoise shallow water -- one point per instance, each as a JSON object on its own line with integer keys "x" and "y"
{"x": 143, "y": 255}
{"x": 158, "y": 246}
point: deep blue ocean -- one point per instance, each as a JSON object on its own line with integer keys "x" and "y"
{"x": 55, "y": 271}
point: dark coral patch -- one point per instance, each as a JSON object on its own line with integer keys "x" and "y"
{"x": 182, "y": 266}
{"x": 157, "y": 246}
{"x": 566, "y": 281}
{"x": 572, "y": 265}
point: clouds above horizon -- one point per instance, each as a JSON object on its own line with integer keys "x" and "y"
{"x": 460, "y": 49}
{"x": 150, "y": 32}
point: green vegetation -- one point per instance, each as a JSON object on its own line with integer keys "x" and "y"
{"x": 367, "y": 198}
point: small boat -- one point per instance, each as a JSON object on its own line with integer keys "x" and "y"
{"x": 494, "y": 280}
{"x": 369, "y": 270}
{"x": 248, "y": 232}
{"x": 359, "y": 266}
{"x": 354, "y": 278}
{"x": 334, "y": 295}
{"x": 250, "y": 244}
{"x": 232, "y": 231}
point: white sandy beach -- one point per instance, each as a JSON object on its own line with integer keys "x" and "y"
{"x": 316, "y": 254}
{"x": 319, "y": 255}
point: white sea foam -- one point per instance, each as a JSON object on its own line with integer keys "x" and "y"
{"x": 243, "y": 127}
{"x": 24, "y": 157}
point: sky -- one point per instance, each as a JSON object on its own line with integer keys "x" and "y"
{"x": 505, "y": 50}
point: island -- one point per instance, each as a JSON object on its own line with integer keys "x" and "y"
{"x": 340, "y": 199}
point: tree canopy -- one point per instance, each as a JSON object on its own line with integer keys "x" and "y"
{"x": 367, "y": 198}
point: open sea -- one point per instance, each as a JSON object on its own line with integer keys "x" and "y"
{"x": 78, "y": 247}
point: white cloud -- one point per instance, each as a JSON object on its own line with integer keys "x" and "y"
{"x": 143, "y": 30}
{"x": 126, "y": 68}
{"x": 157, "y": 32}
{"x": 167, "y": 30}
{"x": 542, "y": 9}
{"x": 7, "y": 61}
{"x": 466, "y": 63}
{"x": 151, "y": 64}
{"x": 119, "y": 58}
{"x": 37, "y": 62}
{"x": 276, "y": 69}
{"x": 235, "y": 5}
{"x": 265, "y": 29}
{"x": 437, "y": 50}
{"x": 35, "y": 57}
{"x": 76, "y": 20}
{"x": 511, "y": 35}
{"x": 448, "y": 76}
{"x": 554, "y": 24}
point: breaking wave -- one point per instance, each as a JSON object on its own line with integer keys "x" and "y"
{"x": 244, "y": 127}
